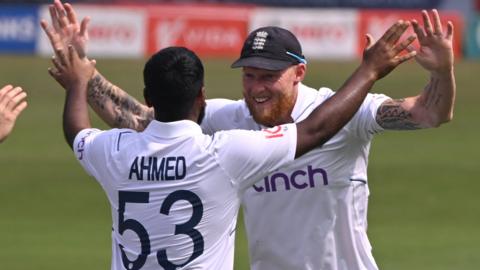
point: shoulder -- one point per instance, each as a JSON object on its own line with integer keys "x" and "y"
{"x": 248, "y": 152}
{"x": 222, "y": 114}
{"x": 309, "y": 94}
{"x": 96, "y": 138}
{"x": 219, "y": 107}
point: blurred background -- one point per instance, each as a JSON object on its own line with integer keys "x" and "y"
{"x": 424, "y": 206}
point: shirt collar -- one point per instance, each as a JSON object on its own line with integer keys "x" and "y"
{"x": 306, "y": 98}
{"x": 173, "y": 129}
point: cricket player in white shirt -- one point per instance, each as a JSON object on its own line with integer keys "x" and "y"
{"x": 311, "y": 214}
{"x": 175, "y": 192}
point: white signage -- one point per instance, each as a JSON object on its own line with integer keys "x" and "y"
{"x": 323, "y": 33}
{"x": 113, "y": 31}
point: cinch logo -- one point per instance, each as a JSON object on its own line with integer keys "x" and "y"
{"x": 299, "y": 179}
{"x": 81, "y": 145}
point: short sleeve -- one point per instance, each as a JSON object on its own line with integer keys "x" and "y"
{"x": 247, "y": 156}
{"x": 88, "y": 149}
{"x": 364, "y": 124}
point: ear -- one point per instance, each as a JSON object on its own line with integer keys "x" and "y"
{"x": 300, "y": 71}
{"x": 147, "y": 98}
{"x": 202, "y": 96}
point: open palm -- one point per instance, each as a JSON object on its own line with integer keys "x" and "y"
{"x": 66, "y": 30}
{"x": 436, "y": 49}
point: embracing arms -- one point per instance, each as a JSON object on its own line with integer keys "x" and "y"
{"x": 324, "y": 122}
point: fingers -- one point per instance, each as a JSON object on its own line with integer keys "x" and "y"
{"x": 72, "y": 54}
{"x": 54, "y": 73}
{"x": 52, "y": 36}
{"x": 3, "y": 93}
{"x": 437, "y": 29}
{"x": 10, "y": 95}
{"x": 71, "y": 15}
{"x": 61, "y": 13}
{"x": 84, "y": 27}
{"x": 437, "y": 24}
{"x": 19, "y": 108}
{"x": 393, "y": 34}
{"x": 54, "y": 17}
{"x": 449, "y": 34}
{"x": 58, "y": 66}
{"x": 418, "y": 30}
{"x": 404, "y": 45}
{"x": 5, "y": 90}
{"x": 16, "y": 100}
{"x": 369, "y": 41}
{"x": 62, "y": 58}
{"x": 426, "y": 23}
{"x": 405, "y": 57}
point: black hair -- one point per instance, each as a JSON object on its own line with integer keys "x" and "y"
{"x": 173, "y": 78}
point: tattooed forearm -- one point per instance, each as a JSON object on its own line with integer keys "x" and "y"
{"x": 391, "y": 115}
{"x": 432, "y": 94}
{"x": 115, "y": 106}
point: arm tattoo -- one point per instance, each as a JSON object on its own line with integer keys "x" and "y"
{"x": 116, "y": 107}
{"x": 432, "y": 95}
{"x": 391, "y": 115}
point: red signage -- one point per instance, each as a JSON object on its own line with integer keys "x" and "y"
{"x": 208, "y": 30}
{"x": 376, "y": 22}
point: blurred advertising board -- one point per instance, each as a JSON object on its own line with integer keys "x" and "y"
{"x": 403, "y": 4}
{"x": 210, "y": 31}
{"x": 376, "y": 22}
{"x": 472, "y": 48}
{"x": 114, "y": 31}
{"x": 323, "y": 33}
{"x": 18, "y": 29}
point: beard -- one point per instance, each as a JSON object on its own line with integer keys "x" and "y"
{"x": 277, "y": 113}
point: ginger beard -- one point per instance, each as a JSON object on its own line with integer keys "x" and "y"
{"x": 273, "y": 104}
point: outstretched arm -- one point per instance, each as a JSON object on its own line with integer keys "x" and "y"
{"x": 115, "y": 106}
{"x": 110, "y": 102}
{"x": 434, "y": 105}
{"x": 12, "y": 103}
{"x": 378, "y": 60}
{"x": 75, "y": 72}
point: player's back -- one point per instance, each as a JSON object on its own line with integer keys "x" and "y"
{"x": 174, "y": 195}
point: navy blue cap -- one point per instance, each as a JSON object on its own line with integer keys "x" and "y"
{"x": 271, "y": 48}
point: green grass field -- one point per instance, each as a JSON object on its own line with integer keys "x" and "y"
{"x": 424, "y": 206}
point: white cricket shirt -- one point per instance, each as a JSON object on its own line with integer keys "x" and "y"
{"x": 175, "y": 192}
{"x": 312, "y": 213}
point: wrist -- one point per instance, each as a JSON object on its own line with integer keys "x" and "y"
{"x": 367, "y": 72}
{"x": 442, "y": 73}
{"x": 78, "y": 86}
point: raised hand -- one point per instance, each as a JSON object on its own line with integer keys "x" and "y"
{"x": 12, "y": 103}
{"x": 70, "y": 70}
{"x": 65, "y": 28}
{"x": 436, "y": 50}
{"x": 383, "y": 56}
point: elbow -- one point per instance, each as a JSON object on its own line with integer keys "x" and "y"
{"x": 449, "y": 117}
{"x": 437, "y": 121}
